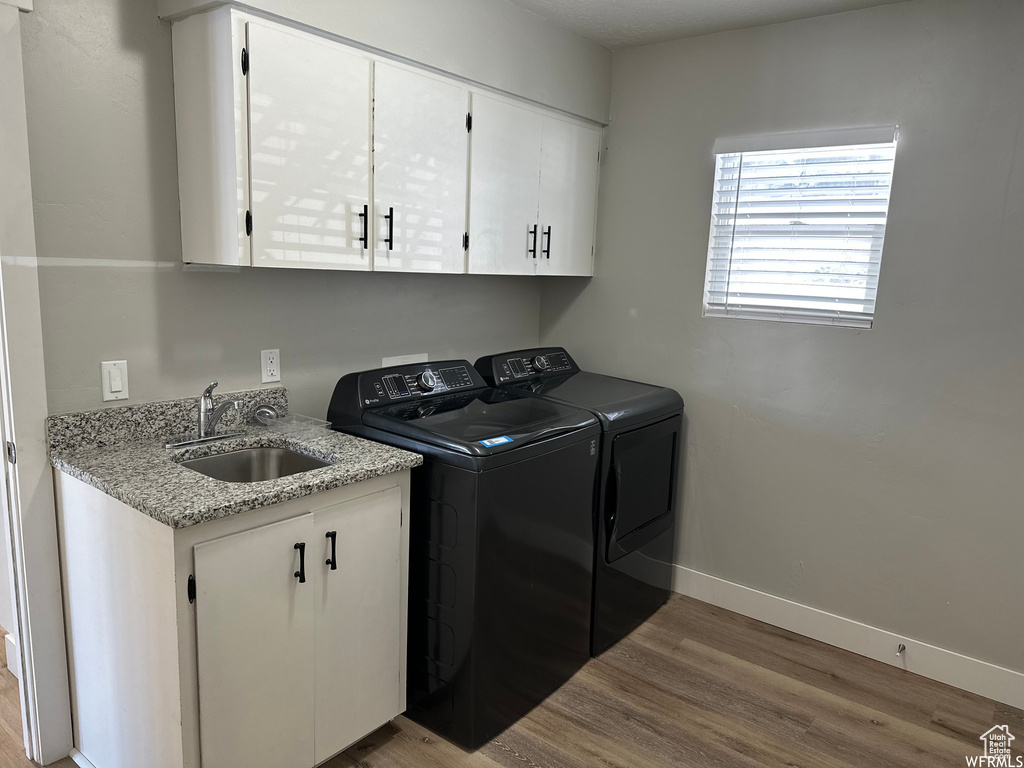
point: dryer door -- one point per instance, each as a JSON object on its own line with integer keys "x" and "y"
{"x": 641, "y": 486}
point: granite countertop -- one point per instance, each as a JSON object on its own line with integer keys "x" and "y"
{"x": 121, "y": 452}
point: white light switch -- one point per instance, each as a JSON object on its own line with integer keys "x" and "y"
{"x": 114, "y": 376}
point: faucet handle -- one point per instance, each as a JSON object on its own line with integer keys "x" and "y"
{"x": 208, "y": 392}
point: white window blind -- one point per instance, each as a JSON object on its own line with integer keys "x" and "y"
{"x": 797, "y": 231}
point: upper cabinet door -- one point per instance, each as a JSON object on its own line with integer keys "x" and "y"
{"x": 359, "y": 657}
{"x": 421, "y": 152}
{"x": 254, "y": 634}
{"x": 505, "y": 150}
{"x": 212, "y": 133}
{"x": 309, "y": 150}
{"x": 568, "y": 198}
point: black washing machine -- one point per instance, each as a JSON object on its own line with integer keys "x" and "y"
{"x": 501, "y": 543}
{"x": 634, "y": 513}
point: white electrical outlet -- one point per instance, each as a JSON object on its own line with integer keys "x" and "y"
{"x": 114, "y": 379}
{"x": 271, "y": 365}
{"x": 418, "y": 357}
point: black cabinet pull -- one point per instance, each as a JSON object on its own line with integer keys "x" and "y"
{"x": 301, "y": 573}
{"x": 390, "y": 239}
{"x": 333, "y": 559}
{"x": 365, "y": 216}
{"x": 531, "y": 232}
{"x": 547, "y": 248}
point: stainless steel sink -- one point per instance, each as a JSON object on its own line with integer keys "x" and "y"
{"x": 251, "y": 465}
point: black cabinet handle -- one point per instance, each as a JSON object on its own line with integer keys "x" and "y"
{"x": 531, "y": 232}
{"x": 365, "y": 216}
{"x": 301, "y": 573}
{"x": 547, "y": 248}
{"x": 333, "y": 559}
{"x": 390, "y": 239}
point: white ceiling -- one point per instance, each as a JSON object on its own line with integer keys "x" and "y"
{"x": 622, "y": 23}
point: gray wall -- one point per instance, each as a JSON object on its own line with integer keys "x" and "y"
{"x": 873, "y": 474}
{"x": 104, "y": 178}
{"x": 489, "y": 41}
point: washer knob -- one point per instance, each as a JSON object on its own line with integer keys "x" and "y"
{"x": 541, "y": 363}
{"x": 427, "y": 381}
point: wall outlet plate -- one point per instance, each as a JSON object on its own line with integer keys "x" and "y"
{"x": 114, "y": 380}
{"x": 271, "y": 365}
{"x": 419, "y": 357}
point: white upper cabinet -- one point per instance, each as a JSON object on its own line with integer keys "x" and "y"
{"x": 568, "y": 198}
{"x": 421, "y": 150}
{"x": 533, "y": 191}
{"x": 211, "y": 117}
{"x": 309, "y": 150}
{"x": 283, "y": 135}
{"x": 504, "y": 187}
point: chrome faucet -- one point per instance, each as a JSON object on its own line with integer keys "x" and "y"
{"x": 210, "y": 416}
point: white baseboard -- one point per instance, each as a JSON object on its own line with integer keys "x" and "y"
{"x": 13, "y": 655}
{"x": 974, "y": 675}
{"x": 80, "y": 760}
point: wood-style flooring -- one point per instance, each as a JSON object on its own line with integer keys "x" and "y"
{"x": 701, "y": 687}
{"x": 12, "y": 744}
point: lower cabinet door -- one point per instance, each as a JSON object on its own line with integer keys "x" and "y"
{"x": 358, "y": 619}
{"x": 254, "y": 628}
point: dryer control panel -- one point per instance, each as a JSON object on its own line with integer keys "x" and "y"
{"x": 526, "y": 365}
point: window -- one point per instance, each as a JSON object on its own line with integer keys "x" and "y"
{"x": 797, "y": 226}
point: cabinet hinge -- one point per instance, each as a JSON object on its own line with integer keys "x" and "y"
{"x": 245, "y": 62}
{"x": 191, "y": 588}
{"x": 465, "y": 241}
{"x": 248, "y": 222}
{"x": 469, "y": 121}
{"x": 12, "y": 452}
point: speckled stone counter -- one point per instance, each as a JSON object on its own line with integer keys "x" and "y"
{"x": 120, "y": 451}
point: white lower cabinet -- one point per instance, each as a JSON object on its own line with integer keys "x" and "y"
{"x": 254, "y": 631}
{"x": 297, "y": 625}
{"x": 287, "y": 647}
{"x": 358, "y": 620}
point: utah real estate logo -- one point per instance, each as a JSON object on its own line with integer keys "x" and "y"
{"x": 997, "y": 750}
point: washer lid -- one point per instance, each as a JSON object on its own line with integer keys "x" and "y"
{"x": 479, "y": 423}
{"x": 617, "y": 402}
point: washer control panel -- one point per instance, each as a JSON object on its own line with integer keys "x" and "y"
{"x": 526, "y": 364}
{"x": 412, "y": 382}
